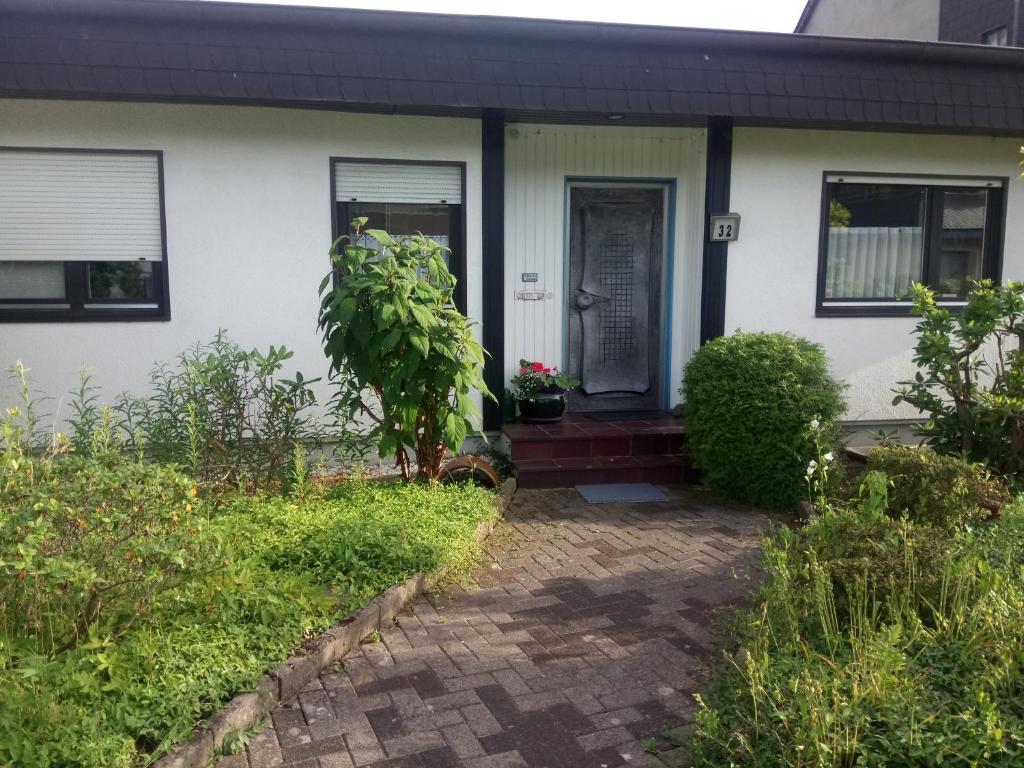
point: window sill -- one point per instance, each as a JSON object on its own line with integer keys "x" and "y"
{"x": 869, "y": 310}
{"x": 42, "y": 315}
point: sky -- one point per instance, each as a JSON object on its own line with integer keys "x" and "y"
{"x": 764, "y": 15}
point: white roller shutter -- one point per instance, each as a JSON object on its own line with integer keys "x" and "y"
{"x": 397, "y": 183}
{"x": 79, "y": 206}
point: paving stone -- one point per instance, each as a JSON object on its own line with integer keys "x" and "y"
{"x": 480, "y": 720}
{"x": 608, "y": 738}
{"x": 510, "y": 759}
{"x": 593, "y": 633}
{"x": 413, "y": 743}
{"x": 462, "y": 740}
{"x": 336, "y": 760}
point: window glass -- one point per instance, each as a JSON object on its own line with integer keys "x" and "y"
{"x": 962, "y": 240}
{"x": 875, "y": 240}
{"x": 407, "y": 219}
{"x": 38, "y": 280}
{"x": 997, "y": 36}
{"x": 121, "y": 280}
{"x": 883, "y": 236}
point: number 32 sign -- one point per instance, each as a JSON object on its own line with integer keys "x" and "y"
{"x": 725, "y": 227}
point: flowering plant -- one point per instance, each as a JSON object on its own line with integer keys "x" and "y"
{"x": 819, "y": 468}
{"x": 536, "y": 378}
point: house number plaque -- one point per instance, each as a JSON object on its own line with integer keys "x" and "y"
{"x": 725, "y": 227}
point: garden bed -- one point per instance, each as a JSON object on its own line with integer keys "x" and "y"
{"x": 876, "y": 641}
{"x": 274, "y": 574}
{"x": 287, "y": 679}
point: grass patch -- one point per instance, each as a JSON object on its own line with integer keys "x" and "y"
{"x": 270, "y": 572}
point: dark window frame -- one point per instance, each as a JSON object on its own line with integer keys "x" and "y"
{"x": 992, "y": 260}
{"x": 456, "y": 216}
{"x": 83, "y": 309}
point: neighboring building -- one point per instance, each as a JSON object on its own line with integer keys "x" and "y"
{"x": 989, "y": 22}
{"x": 896, "y": 19}
{"x": 168, "y": 168}
{"x": 984, "y": 22}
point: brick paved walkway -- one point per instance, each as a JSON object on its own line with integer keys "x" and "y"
{"x": 588, "y": 628}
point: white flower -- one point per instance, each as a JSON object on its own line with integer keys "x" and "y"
{"x": 829, "y": 456}
{"x": 815, "y": 423}
{"x": 811, "y": 467}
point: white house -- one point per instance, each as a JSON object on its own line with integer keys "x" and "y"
{"x": 169, "y": 167}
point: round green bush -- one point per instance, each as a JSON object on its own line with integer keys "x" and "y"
{"x": 749, "y": 400}
{"x": 932, "y": 489}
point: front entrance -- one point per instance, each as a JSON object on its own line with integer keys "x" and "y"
{"x": 616, "y": 243}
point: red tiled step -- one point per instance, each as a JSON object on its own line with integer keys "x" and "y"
{"x": 583, "y": 438}
{"x": 567, "y": 472}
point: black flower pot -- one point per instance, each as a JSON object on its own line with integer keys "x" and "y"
{"x": 542, "y": 408}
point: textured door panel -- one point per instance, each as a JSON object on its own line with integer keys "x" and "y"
{"x": 614, "y": 300}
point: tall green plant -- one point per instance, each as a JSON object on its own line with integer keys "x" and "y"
{"x": 406, "y": 359}
{"x": 224, "y": 413}
{"x": 970, "y": 381}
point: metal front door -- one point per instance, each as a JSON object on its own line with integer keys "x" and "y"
{"x": 615, "y": 257}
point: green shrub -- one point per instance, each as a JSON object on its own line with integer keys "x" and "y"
{"x": 944, "y": 491}
{"x": 970, "y": 382}
{"x": 223, "y": 413}
{"x": 86, "y": 543}
{"x": 749, "y": 399}
{"x": 406, "y": 359}
{"x": 875, "y": 642}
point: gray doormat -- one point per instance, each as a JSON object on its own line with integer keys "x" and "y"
{"x": 627, "y": 415}
{"x": 620, "y": 492}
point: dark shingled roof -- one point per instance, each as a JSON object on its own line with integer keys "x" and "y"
{"x": 229, "y": 53}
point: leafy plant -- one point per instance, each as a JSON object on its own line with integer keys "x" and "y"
{"x": 273, "y": 572}
{"x": 945, "y": 491}
{"x": 885, "y": 438}
{"x": 25, "y": 417}
{"x": 749, "y": 398}
{"x": 875, "y": 642}
{"x": 224, "y": 414}
{"x": 534, "y": 377}
{"x": 86, "y": 542}
{"x": 819, "y": 472}
{"x": 405, "y": 358}
{"x": 838, "y": 214}
{"x": 970, "y": 381}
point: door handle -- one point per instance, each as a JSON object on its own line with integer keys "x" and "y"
{"x": 585, "y": 299}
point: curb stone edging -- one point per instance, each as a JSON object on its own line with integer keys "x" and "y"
{"x": 287, "y": 679}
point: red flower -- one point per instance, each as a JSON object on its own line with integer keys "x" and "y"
{"x": 538, "y": 367}
{"x": 522, "y": 371}
{"x": 547, "y": 370}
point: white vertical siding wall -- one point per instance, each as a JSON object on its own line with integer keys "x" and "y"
{"x": 248, "y": 206}
{"x": 539, "y": 160}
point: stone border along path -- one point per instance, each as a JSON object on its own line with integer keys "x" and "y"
{"x": 587, "y": 629}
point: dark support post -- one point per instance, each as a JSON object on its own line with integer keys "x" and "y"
{"x": 493, "y": 241}
{"x": 716, "y": 200}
